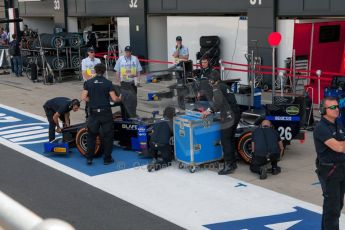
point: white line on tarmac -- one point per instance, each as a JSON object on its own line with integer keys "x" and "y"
{"x": 29, "y": 137}
{"x": 21, "y": 130}
{"x": 25, "y": 133}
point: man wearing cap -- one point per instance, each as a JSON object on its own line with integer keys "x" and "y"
{"x": 88, "y": 64}
{"x": 180, "y": 52}
{"x": 128, "y": 69}
{"x": 88, "y": 70}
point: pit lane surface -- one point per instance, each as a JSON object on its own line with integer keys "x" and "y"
{"x": 202, "y": 200}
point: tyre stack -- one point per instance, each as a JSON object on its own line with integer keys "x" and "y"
{"x": 209, "y": 47}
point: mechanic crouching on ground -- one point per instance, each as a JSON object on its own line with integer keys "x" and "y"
{"x": 59, "y": 108}
{"x": 224, "y": 101}
{"x": 96, "y": 92}
{"x": 329, "y": 140}
{"x": 267, "y": 147}
{"x": 128, "y": 69}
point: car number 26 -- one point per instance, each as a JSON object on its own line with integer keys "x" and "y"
{"x": 285, "y": 133}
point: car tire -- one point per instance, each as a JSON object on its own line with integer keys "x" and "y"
{"x": 244, "y": 147}
{"x": 81, "y": 143}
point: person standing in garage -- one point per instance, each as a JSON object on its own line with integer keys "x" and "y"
{"x": 224, "y": 101}
{"x": 128, "y": 69}
{"x": 329, "y": 140}
{"x": 180, "y": 52}
{"x": 97, "y": 92}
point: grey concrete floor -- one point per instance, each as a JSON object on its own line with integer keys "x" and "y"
{"x": 297, "y": 178}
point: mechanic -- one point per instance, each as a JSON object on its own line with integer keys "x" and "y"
{"x": 88, "y": 70}
{"x": 128, "y": 109}
{"x": 59, "y": 108}
{"x": 267, "y": 146}
{"x": 224, "y": 101}
{"x": 205, "y": 91}
{"x": 128, "y": 69}
{"x": 180, "y": 52}
{"x": 329, "y": 140}
{"x": 162, "y": 131}
{"x": 96, "y": 92}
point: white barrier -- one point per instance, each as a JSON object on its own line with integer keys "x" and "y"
{"x": 14, "y": 216}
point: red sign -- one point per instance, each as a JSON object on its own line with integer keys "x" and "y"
{"x": 274, "y": 39}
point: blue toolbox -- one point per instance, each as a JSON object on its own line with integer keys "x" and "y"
{"x": 196, "y": 140}
{"x": 56, "y": 146}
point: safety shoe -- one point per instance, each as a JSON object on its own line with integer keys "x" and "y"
{"x": 89, "y": 161}
{"x": 108, "y": 162}
{"x": 263, "y": 173}
{"x": 228, "y": 168}
{"x": 276, "y": 171}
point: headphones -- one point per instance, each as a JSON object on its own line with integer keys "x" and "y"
{"x": 322, "y": 109}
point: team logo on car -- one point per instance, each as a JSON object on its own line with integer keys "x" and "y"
{"x": 292, "y": 110}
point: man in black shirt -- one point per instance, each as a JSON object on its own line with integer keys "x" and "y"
{"x": 59, "y": 108}
{"x": 97, "y": 92}
{"x": 267, "y": 147}
{"x": 329, "y": 140}
{"x": 224, "y": 101}
{"x": 205, "y": 90}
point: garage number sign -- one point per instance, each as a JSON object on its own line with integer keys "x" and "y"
{"x": 255, "y": 2}
{"x": 133, "y": 4}
{"x": 57, "y": 5}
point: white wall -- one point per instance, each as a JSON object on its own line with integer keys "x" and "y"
{"x": 43, "y": 25}
{"x": 286, "y": 28}
{"x": 157, "y": 41}
{"x": 72, "y": 24}
{"x": 123, "y": 32}
{"x": 227, "y": 28}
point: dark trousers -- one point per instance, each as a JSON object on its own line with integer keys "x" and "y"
{"x": 52, "y": 125}
{"x": 17, "y": 65}
{"x": 259, "y": 161}
{"x": 332, "y": 179}
{"x": 129, "y": 100}
{"x": 87, "y": 110}
{"x": 164, "y": 149}
{"x": 227, "y": 134}
{"x": 96, "y": 121}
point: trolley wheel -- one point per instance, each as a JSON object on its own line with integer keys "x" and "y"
{"x": 244, "y": 147}
{"x": 192, "y": 168}
{"x": 180, "y": 165}
{"x": 81, "y": 142}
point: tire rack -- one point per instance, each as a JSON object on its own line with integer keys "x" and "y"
{"x": 67, "y": 53}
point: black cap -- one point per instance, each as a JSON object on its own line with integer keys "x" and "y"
{"x": 90, "y": 49}
{"x": 178, "y": 38}
{"x": 128, "y": 48}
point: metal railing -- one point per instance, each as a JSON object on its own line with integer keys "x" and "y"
{"x": 14, "y": 216}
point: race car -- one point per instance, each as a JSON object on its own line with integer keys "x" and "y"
{"x": 134, "y": 134}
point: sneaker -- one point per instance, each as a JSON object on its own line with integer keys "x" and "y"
{"x": 276, "y": 171}
{"x": 263, "y": 173}
{"x": 228, "y": 168}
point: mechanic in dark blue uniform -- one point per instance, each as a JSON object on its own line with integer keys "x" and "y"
{"x": 96, "y": 92}
{"x": 329, "y": 140}
{"x": 267, "y": 147}
{"x": 205, "y": 90}
{"x": 224, "y": 101}
{"x": 59, "y": 108}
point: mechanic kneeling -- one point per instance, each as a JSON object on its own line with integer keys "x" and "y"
{"x": 59, "y": 108}
{"x": 329, "y": 140}
{"x": 162, "y": 131}
{"x": 267, "y": 147}
{"x": 96, "y": 92}
{"x": 224, "y": 101}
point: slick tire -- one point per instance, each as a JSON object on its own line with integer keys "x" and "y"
{"x": 81, "y": 142}
{"x": 244, "y": 147}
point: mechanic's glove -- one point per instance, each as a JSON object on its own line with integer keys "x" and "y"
{"x": 58, "y": 130}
